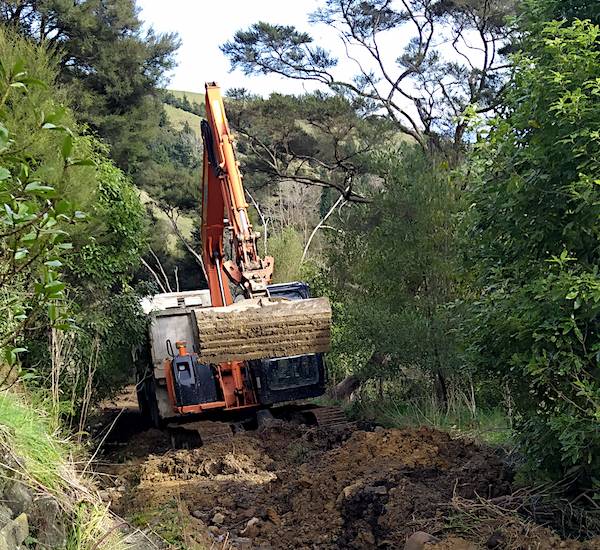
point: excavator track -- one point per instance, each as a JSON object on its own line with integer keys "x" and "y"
{"x": 200, "y": 432}
{"x": 330, "y": 417}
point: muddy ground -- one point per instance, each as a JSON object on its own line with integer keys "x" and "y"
{"x": 293, "y": 486}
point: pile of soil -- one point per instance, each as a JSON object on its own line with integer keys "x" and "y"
{"x": 290, "y": 486}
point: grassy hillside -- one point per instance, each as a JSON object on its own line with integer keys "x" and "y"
{"x": 193, "y": 97}
{"x": 178, "y": 118}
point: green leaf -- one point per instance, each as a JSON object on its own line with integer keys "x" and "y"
{"x": 21, "y": 253}
{"x": 67, "y": 146}
{"x": 18, "y": 67}
{"x": 4, "y": 173}
{"x": 82, "y": 162}
{"x": 52, "y": 312}
{"x": 55, "y": 117}
{"x": 3, "y": 136}
{"x": 53, "y": 263}
{"x": 38, "y": 188}
{"x": 54, "y": 287}
{"x": 34, "y": 82}
{"x": 62, "y": 207}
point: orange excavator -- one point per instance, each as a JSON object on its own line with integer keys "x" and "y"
{"x": 245, "y": 343}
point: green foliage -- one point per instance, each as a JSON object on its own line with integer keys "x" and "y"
{"x": 172, "y": 175}
{"x": 395, "y": 265}
{"x": 490, "y": 426}
{"x": 28, "y": 431}
{"x": 88, "y": 529}
{"x": 313, "y": 139}
{"x": 439, "y": 86}
{"x": 109, "y": 247}
{"x": 112, "y": 66}
{"x": 536, "y": 12}
{"x": 286, "y": 248}
{"x": 61, "y": 268}
{"x": 533, "y": 234}
{"x": 184, "y": 103}
{"x": 39, "y": 162}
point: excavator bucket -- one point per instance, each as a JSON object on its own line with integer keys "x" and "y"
{"x": 263, "y": 328}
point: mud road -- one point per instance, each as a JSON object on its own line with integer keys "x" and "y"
{"x": 293, "y": 486}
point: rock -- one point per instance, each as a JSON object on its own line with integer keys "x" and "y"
{"x": 252, "y": 528}
{"x": 242, "y": 543}
{"x": 17, "y": 497}
{"x": 496, "y": 540}
{"x": 104, "y": 495}
{"x": 348, "y": 492}
{"x": 379, "y": 429}
{"x": 272, "y": 515}
{"x": 454, "y": 543}
{"x": 13, "y": 534}
{"x": 418, "y": 540}
{"x": 379, "y": 490}
{"x": 218, "y": 518}
{"x": 364, "y": 539}
{"x": 198, "y": 514}
{"x": 5, "y": 514}
{"x": 213, "y": 530}
{"x": 47, "y": 519}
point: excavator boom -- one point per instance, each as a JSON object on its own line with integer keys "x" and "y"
{"x": 256, "y": 327}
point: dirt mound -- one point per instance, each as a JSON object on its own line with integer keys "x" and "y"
{"x": 379, "y": 487}
{"x": 220, "y": 461}
{"x": 289, "y": 486}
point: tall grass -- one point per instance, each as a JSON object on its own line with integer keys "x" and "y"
{"x": 35, "y": 452}
{"x": 30, "y": 435}
{"x": 490, "y": 426}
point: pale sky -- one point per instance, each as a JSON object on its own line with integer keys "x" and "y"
{"x": 203, "y": 26}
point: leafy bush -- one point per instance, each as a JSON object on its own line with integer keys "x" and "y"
{"x": 61, "y": 269}
{"x": 533, "y": 233}
{"x": 38, "y": 164}
{"x": 394, "y": 267}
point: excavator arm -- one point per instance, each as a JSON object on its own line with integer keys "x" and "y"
{"x": 223, "y": 192}
{"x": 256, "y": 327}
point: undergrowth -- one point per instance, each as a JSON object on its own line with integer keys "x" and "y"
{"x": 36, "y": 453}
{"x": 30, "y": 435}
{"x": 489, "y": 426}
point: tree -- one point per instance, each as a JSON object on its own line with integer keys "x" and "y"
{"x": 535, "y": 11}
{"x": 422, "y": 92}
{"x": 38, "y": 164}
{"x": 71, "y": 231}
{"x": 533, "y": 235}
{"x": 111, "y": 64}
{"x": 394, "y": 266}
{"x": 315, "y": 139}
